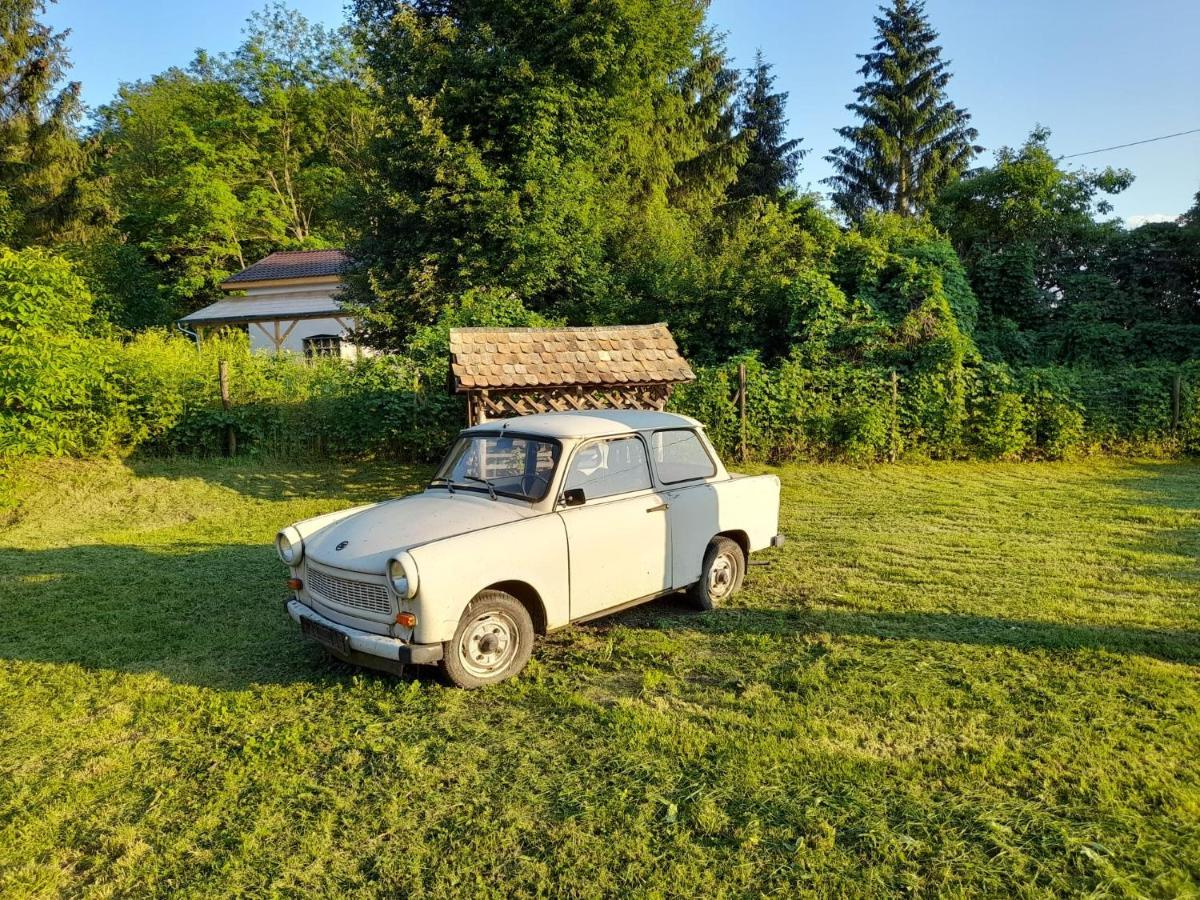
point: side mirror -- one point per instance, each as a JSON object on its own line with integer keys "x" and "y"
{"x": 573, "y": 497}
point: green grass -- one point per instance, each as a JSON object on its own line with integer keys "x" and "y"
{"x": 954, "y": 679}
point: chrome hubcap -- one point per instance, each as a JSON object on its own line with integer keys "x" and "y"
{"x": 489, "y": 644}
{"x": 720, "y": 576}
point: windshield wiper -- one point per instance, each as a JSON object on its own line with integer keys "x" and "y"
{"x": 491, "y": 487}
{"x": 446, "y": 481}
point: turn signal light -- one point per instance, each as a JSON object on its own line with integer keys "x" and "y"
{"x": 295, "y": 584}
{"x": 406, "y": 619}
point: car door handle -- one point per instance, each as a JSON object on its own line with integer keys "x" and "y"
{"x": 659, "y": 508}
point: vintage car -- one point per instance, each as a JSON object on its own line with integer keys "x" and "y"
{"x": 530, "y": 524}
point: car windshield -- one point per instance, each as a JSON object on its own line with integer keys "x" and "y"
{"x": 497, "y": 464}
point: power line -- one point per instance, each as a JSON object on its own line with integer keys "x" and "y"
{"x": 1132, "y": 144}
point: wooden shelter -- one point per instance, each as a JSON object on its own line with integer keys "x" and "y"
{"x": 520, "y": 371}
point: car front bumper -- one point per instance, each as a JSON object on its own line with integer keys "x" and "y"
{"x": 374, "y": 651}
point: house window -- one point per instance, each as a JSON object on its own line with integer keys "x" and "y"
{"x": 319, "y": 345}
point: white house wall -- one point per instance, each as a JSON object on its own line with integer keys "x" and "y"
{"x": 262, "y": 333}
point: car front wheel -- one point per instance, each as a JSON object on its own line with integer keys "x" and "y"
{"x": 493, "y": 641}
{"x": 722, "y": 574}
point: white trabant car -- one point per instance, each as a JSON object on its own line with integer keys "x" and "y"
{"x": 530, "y": 524}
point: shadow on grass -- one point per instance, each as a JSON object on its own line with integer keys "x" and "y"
{"x": 211, "y": 616}
{"x": 354, "y": 483}
{"x": 1170, "y": 484}
{"x": 673, "y": 612}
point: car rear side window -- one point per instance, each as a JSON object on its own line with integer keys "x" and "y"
{"x": 679, "y": 455}
{"x": 608, "y": 468}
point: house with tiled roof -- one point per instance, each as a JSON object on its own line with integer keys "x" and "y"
{"x": 285, "y": 302}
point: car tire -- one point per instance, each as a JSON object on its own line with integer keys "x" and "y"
{"x": 493, "y": 641}
{"x": 722, "y": 575}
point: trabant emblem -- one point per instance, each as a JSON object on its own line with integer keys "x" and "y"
{"x": 342, "y": 546}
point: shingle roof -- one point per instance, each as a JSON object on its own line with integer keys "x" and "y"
{"x": 555, "y": 357}
{"x": 293, "y": 264}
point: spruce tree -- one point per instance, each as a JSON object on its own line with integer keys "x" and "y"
{"x": 40, "y": 154}
{"x": 771, "y": 162}
{"x": 912, "y": 140}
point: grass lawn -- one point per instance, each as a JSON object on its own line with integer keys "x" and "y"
{"x": 954, "y": 679}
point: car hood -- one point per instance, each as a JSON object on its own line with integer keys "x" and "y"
{"x": 368, "y": 537}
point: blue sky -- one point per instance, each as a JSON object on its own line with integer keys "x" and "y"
{"x": 1097, "y": 72}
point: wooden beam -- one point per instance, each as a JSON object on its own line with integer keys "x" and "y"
{"x": 259, "y": 326}
{"x": 295, "y": 322}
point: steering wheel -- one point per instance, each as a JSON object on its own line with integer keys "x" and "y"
{"x": 530, "y": 482}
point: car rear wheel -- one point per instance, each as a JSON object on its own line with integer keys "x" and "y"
{"x": 493, "y": 641}
{"x": 722, "y": 574}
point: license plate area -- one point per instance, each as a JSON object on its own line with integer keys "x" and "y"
{"x": 323, "y": 634}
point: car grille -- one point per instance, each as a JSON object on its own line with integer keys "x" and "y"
{"x": 358, "y": 594}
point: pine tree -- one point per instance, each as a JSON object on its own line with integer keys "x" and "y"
{"x": 704, "y": 140}
{"x": 912, "y": 140}
{"x": 40, "y": 154}
{"x": 771, "y": 163}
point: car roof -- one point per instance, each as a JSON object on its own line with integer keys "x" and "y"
{"x": 588, "y": 423}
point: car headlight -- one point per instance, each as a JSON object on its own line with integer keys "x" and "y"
{"x": 290, "y": 546}
{"x": 402, "y": 576}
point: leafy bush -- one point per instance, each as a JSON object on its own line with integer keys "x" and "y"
{"x": 53, "y": 375}
{"x": 997, "y": 426}
{"x": 862, "y": 384}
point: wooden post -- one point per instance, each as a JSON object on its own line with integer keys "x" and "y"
{"x": 223, "y": 380}
{"x": 894, "y": 450}
{"x": 1176, "y": 402}
{"x": 742, "y": 408}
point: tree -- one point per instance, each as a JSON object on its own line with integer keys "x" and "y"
{"x": 557, "y": 151}
{"x": 1192, "y": 216}
{"x": 40, "y": 154}
{"x": 912, "y": 140}
{"x": 180, "y": 183}
{"x": 1026, "y": 228}
{"x": 206, "y": 169}
{"x": 309, "y": 116}
{"x": 772, "y": 162}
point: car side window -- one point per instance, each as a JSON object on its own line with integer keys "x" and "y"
{"x": 679, "y": 455}
{"x": 608, "y": 468}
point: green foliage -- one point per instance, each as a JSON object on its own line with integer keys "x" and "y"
{"x": 40, "y": 155}
{"x": 1055, "y": 284}
{"x": 912, "y": 140}
{"x": 123, "y": 282}
{"x": 772, "y": 161}
{"x": 479, "y": 307}
{"x": 206, "y": 170}
{"x": 50, "y": 371}
{"x": 998, "y": 424}
{"x": 559, "y": 152}
{"x": 281, "y": 406}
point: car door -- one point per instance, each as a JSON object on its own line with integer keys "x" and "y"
{"x": 683, "y": 467}
{"x": 618, "y": 538}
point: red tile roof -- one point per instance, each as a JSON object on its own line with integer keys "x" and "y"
{"x": 293, "y": 264}
{"x": 482, "y": 358}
